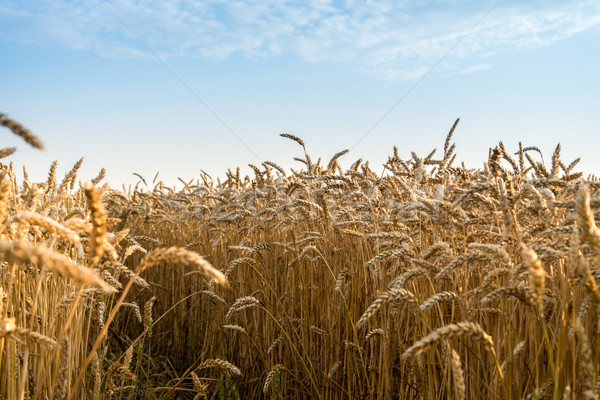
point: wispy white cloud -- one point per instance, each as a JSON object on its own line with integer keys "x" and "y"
{"x": 389, "y": 38}
{"x": 472, "y": 68}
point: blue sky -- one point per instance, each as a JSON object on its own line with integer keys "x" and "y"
{"x": 327, "y": 71}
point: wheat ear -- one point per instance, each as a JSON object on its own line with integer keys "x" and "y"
{"x": 180, "y": 255}
{"x": 223, "y": 365}
{"x": 270, "y": 376}
{"x": 19, "y": 252}
{"x": 460, "y": 329}
{"x": 98, "y": 223}
{"x": 457, "y": 374}
{"x": 21, "y": 131}
{"x": 390, "y": 296}
{"x": 537, "y": 275}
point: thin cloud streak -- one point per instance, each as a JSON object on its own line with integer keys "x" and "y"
{"x": 473, "y": 68}
{"x": 388, "y": 39}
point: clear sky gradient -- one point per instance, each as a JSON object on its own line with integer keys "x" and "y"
{"x": 324, "y": 70}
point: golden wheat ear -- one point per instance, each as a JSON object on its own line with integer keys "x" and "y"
{"x": 21, "y": 131}
{"x": 294, "y": 138}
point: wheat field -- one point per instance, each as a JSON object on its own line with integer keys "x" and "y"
{"x": 429, "y": 281}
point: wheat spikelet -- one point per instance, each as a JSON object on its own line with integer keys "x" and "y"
{"x": 586, "y": 222}
{"x": 586, "y": 358}
{"x": 294, "y": 138}
{"x": 25, "y": 333}
{"x": 51, "y": 181}
{"x": 524, "y": 294}
{"x": 342, "y": 281}
{"x": 148, "y": 312}
{"x": 97, "y": 237}
{"x": 220, "y": 364}
{"x": 390, "y": 296}
{"x": 406, "y": 276}
{"x": 316, "y": 330}
{"x": 269, "y": 379}
{"x": 389, "y": 236}
{"x": 460, "y": 329}
{"x": 96, "y": 370}
{"x": 146, "y": 238}
{"x": 584, "y": 308}
{"x": 136, "y": 310}
{"x": 242, "y": 303}
{"x": 449, "y": 136}
{"x": 21, "y": 131}
{"x": 384, "y": 255}
{"x": 582, "y": 271}
{"x": 122, "y": 271}
{"x": 180, "y": 255}
{"x": 519, "y": 348}
{"x": 437, "y": 298}
{"x": 115, "y": 238}
{"x": 500, "y": 254}
{"x": 5, "y": 185}
{"x": 274, "y": 344}
{"x": 132, "y": 249}
{"x": 45, "y": 222}
{"x": 348, "y": 345}
{"x": 493, "y": 275}
{"x": 235, "y": 328}
{"x": 276, "y": 166}
{"x": 233, "y": 264}
{"x": 555, "y": 162}
{"x": 375, "y": 332}
{"x": 99, "y": 177}
{"x": 537, "y": 275}
{"x": 457, "y": 374}
{"x": 63, "y": 371}
{"x": 438, "y": 247}
{"x": 214, "y": 296}
{"x": 199, "y": 387}
{"x": 541, "y": 392}
{"x": 100, "y": 311}
{"x": 69, "y": 179}
{"x": 127, "y": 358}
{"x": 7, "y": 151}
{"x": 333, "y": 160}
{"x": 458, "y": 261}
{"x": 510, "y": 220}
{"x": 335, "y": 368}
{"x": 78, "y": 224}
